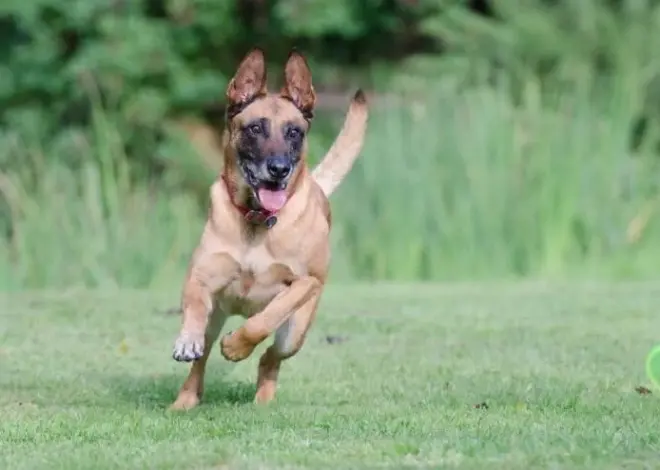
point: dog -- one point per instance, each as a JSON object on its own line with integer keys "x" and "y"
{"x": 264, "y": 253}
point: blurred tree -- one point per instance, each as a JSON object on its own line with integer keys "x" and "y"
{"x": 148, "y": 62}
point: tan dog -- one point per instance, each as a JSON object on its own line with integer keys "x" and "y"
{"x": 264, "y": 252}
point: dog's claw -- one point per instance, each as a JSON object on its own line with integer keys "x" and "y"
{"x": 188, "y": 348}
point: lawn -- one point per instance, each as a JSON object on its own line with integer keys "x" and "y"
{"x": 510, "y": 376}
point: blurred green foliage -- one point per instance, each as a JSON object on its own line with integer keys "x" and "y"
{"x": 145, "y": 61}
{"x": 508, "y": 137}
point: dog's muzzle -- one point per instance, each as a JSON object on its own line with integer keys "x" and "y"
{"x": 272, "y": 172}
{"x": 279, "y": 168}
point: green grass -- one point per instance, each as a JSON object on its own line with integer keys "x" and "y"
{"x": 85, "y": 378}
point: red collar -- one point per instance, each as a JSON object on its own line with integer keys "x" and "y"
{"x": 254, "y": 216}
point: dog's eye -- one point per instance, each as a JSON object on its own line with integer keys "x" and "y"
{"x": 254, "y": 129}
{"x": 293, "y": 133}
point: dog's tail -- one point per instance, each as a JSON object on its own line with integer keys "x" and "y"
{"x": 339, "y": 159}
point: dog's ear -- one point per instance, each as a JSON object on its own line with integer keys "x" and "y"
{"x": 298, "y": 84}
{"x": 249, "y": 82}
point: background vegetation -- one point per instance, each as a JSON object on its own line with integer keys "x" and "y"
{"x": 507, "y": 139}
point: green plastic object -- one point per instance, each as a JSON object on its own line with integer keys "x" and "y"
{"x": 653, "y": 366}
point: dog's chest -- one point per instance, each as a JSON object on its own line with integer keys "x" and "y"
{"x": 260, "y": 279}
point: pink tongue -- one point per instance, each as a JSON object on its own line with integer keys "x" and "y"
{"x": 272, "y": 201}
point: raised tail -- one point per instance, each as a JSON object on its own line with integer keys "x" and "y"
{"x": 339, "y": 159}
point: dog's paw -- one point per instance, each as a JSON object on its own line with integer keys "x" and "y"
{"x": 188, "y": 347}
{"x": 185, "y": 401}
{"x": 235, "y": 347}
{"x": 265, "y": 393}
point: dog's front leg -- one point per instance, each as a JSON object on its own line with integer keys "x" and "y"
{"x": 208, "y": 274}
{"x": 238, "y": 345}
{"x": 201, "y": 325}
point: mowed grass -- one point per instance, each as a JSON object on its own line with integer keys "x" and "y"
{"x": 85, "y": 378}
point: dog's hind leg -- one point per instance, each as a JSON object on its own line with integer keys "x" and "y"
{"x": 289, "y": 338}
{"x": 193, "y": 388}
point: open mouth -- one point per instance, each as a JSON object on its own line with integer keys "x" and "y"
{"x": 271, "y": 199}
{"x": 270, "y": 195}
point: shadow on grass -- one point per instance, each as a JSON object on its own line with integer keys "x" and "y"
{"x": 160, "y": 391}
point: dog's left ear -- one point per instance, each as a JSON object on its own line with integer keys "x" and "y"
{"x": 298, "y": 84}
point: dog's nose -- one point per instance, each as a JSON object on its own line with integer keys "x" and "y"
{"x": 278, "y": 167}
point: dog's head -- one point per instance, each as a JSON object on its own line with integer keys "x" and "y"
{"x": 266, "y": 133}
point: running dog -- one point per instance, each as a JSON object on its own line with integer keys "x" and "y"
{"x": 264, "y": 252}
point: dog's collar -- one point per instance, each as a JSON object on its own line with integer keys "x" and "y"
{"x": 258, "y": 216}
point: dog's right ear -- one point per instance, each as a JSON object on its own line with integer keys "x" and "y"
{"x": 248, "y": 83}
